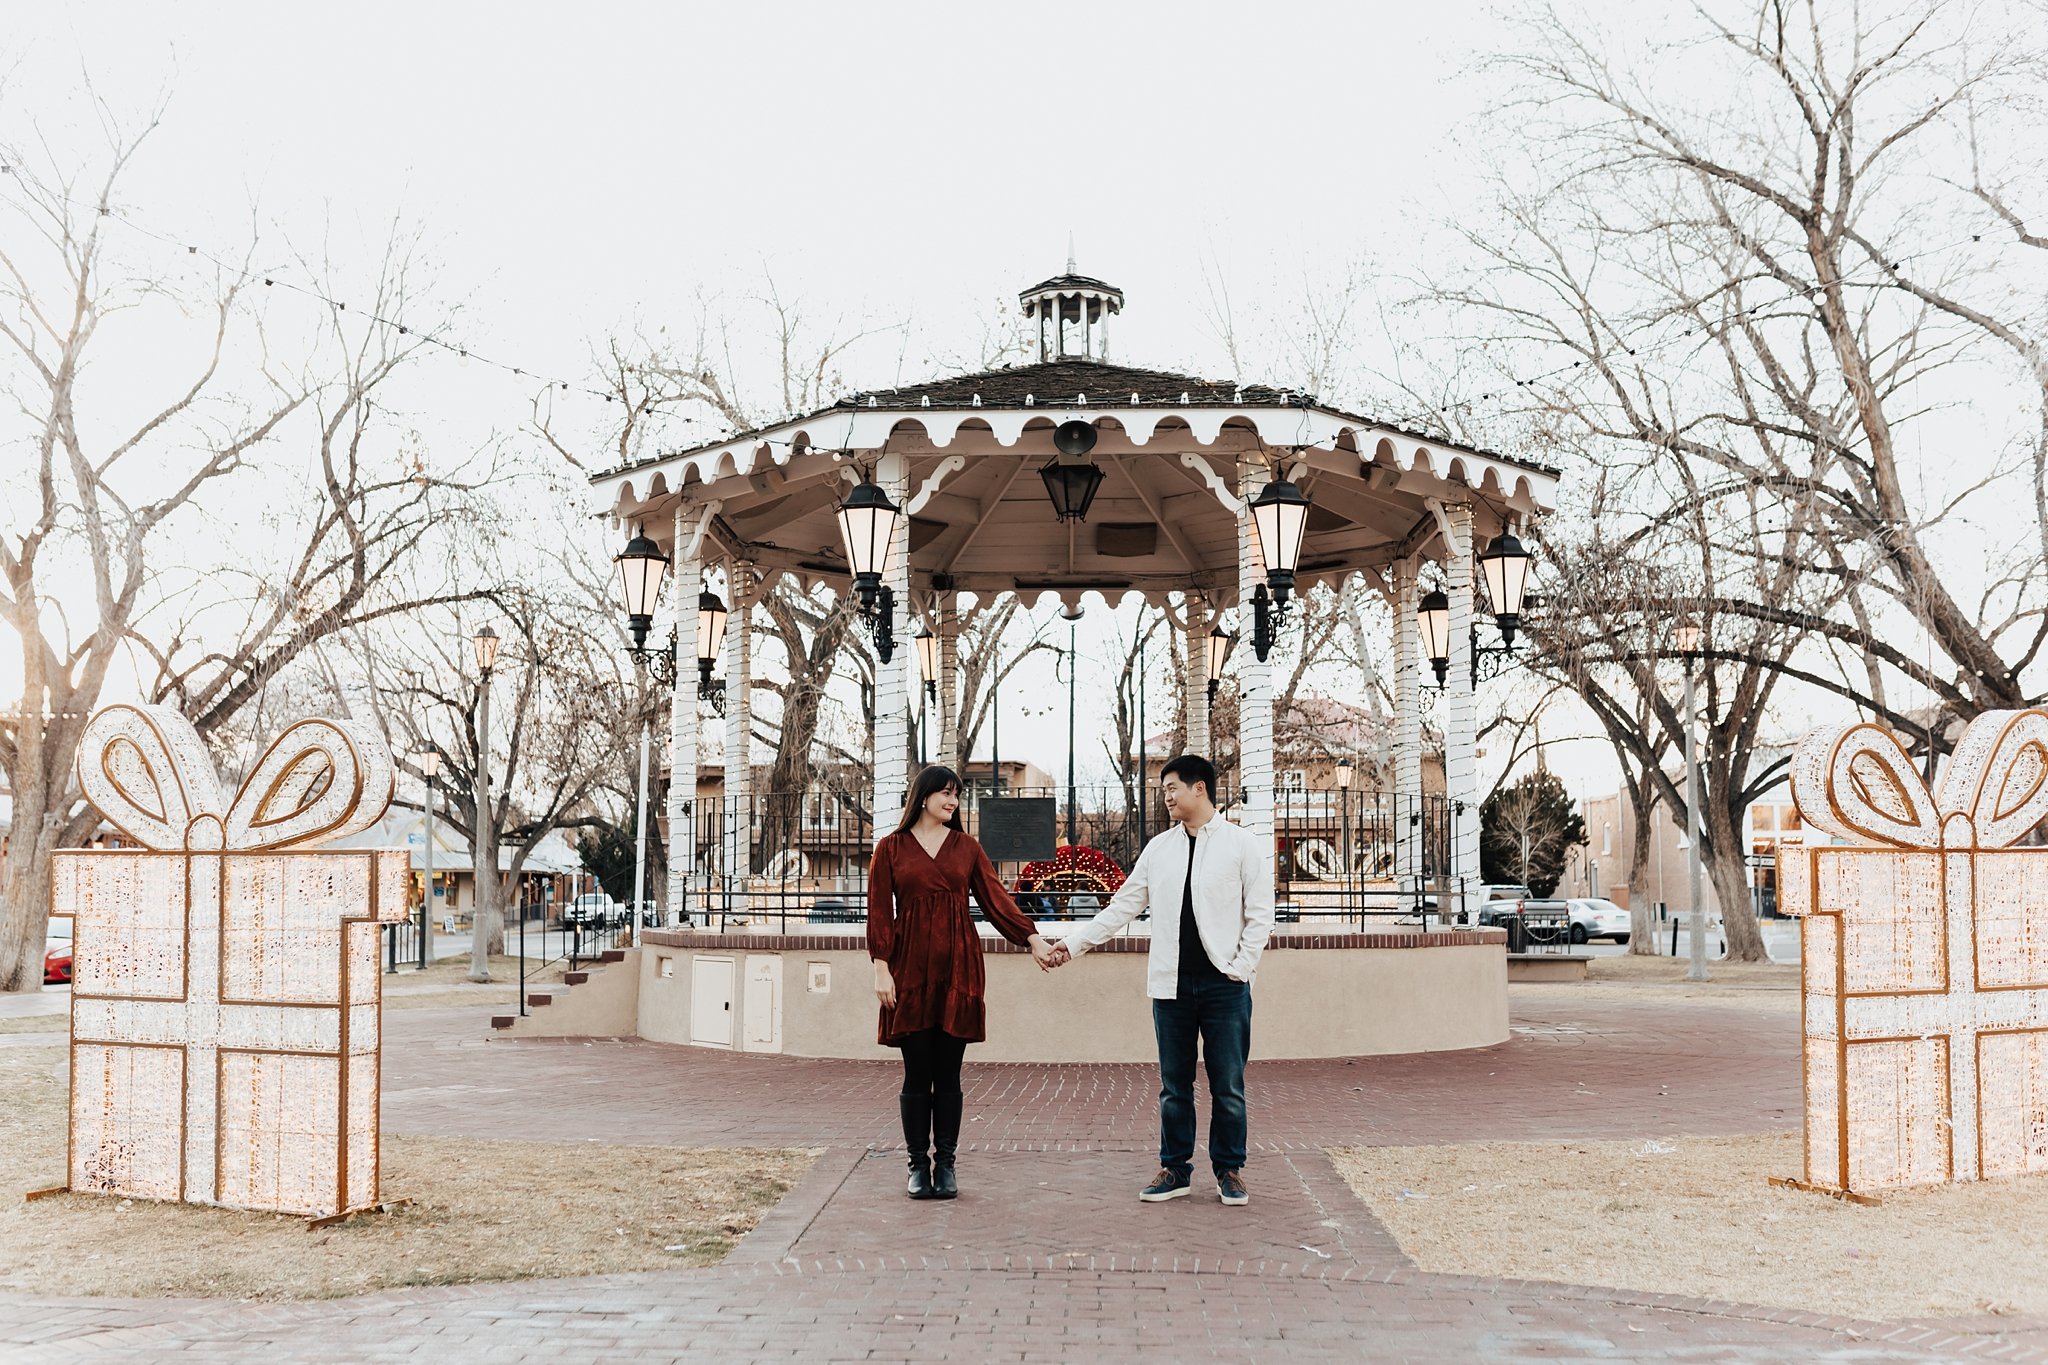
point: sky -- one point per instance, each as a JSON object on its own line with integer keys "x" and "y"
{"x": 580, "y": 172}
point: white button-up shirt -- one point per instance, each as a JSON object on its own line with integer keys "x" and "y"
{"x": 1232, "y": 889}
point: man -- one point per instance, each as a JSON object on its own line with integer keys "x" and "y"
{"x": 1209, "y": 887}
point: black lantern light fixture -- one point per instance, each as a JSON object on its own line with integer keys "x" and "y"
{"x": 1433, "y": 613}
{"x": 486, "y": 643}
{"x": 928, "y": 659}
{"x": 711, "y": 620}
{"x": 1071, "y": 479}
{"x": 1279, "y": 517}
{"x": 867, "y": 522}
{"x": 1504, "y": 567}
{"x": 639, "y": 570}
{"x": 1220, "y": 641}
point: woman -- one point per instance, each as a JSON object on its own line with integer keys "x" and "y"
{"x": 928, "y": 969}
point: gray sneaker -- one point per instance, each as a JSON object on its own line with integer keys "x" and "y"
{"x": 1230, "y": 1188}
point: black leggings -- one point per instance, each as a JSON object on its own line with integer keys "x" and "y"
{"x": 931, "y": 1062}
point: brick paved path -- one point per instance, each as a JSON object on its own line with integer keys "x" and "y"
{"x": 1047, "y": 1256}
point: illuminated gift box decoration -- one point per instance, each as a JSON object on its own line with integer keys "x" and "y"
{"x": 1925, "y": 946}
{"x": 225, "y": 1007}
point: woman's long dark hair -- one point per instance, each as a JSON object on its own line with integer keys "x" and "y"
{"x": 930, "y": 783}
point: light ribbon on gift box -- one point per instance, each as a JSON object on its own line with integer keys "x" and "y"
{"x": 1925, "y": 956}
{"x": 225, "y": 980}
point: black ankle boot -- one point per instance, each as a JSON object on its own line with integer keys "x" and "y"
{"x": 945, "y": 1141}
{"x": 917, "y": 1131}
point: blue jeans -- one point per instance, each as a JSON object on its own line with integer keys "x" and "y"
{"x": 1219, "y": 1014}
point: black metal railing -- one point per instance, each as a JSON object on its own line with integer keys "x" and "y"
{"x": 1340, "y": 857}
{"x": 404, "y": 945}
{"x": 580, "y": 929}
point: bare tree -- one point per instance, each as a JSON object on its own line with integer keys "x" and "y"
{"x": 92, "y": 576}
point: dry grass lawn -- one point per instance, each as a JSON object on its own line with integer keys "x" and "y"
{"x": 1770, "y": 987}
{"x": 482, "y": 1211}
{"x": 1699, "y": 1219}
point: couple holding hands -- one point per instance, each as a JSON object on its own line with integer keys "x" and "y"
{"x": 1208, "y": 885}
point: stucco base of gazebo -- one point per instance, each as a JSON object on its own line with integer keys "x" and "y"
{"x": 811, "y": 995}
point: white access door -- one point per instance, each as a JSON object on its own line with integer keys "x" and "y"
{"x": 711, "y": 982}
{"x": 764, "y": 1003}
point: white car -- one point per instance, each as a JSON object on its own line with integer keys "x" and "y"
{"x": 1597, "y": 917}
{"x": 592, "y": 910}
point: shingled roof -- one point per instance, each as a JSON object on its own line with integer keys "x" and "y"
{"x": 1074, "y": 383}
{"x": 1071, "y": 281}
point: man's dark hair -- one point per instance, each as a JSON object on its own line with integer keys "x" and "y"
{"x": 1192, "y": 769}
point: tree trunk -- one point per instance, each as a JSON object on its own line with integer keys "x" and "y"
{"x": 1642, "y": 920}
{"x": 1724, "y": 866}
{"x": 28, "y": 892}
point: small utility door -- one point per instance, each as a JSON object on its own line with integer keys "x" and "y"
{"x": 711, "y": 982}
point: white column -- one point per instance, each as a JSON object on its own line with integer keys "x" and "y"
{"x": 946, "y": 607}
{"x": 1461, "y": 721}
{"x": 1254, "y": 678}
{"x": 739, "y": 728}
{"x": 893, "y": 679}
{"x": 1195, "y": 680}
{"x": 1406, "y": 802}
{"x": 686, "y": 581}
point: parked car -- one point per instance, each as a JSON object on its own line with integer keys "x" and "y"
{"x": 832, "y": 910}
{"x": 592, "y": 910}
{"x": 57, "y": 953}
{"x": 1597, "y": 917}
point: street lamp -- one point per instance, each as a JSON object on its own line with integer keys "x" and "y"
{"x": 1687, "y": 637}
{"x": 486, "y": 643}
{"x": 867, "y": 523}
{"x": 1344, "y": 800}
{"x": 1073, "y": 616}
{"x": 1220, "y": 641}
{"x": 430, "y": 768}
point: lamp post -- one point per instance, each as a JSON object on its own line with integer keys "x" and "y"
{"x": 1073, "y": 615}
{"x": 486, "y": 643}
{"x": 430, "y": 768}
{"x": 1344, "y": 815}
{"x": 1686, "y": 636}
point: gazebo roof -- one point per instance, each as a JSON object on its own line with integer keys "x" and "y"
{"x": 1168, "y": 445}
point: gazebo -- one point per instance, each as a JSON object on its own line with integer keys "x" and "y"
{"x": 1075, "y": 474}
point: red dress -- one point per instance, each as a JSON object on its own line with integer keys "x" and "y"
{"x": 918, "y": 924}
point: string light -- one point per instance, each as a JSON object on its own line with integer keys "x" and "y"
{"x": 1892, "y": 267}
{"x": 463, "y": 354}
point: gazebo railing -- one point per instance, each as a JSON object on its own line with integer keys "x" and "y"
{"x": 1338, "y": 857}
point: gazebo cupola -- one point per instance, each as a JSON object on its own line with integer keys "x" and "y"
{"x": 1070, "y": 314}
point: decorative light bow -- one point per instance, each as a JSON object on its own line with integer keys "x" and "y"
{"x": 226, "y": 1001}
{"x": 1925, "y": 957}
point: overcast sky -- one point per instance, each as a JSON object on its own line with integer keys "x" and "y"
{"x": 577, "y": 170}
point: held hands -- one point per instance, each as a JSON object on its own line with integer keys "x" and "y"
{"x": 1048, "y": 954}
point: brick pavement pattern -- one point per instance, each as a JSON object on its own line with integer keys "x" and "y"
{"x": 1048, "y": 1255}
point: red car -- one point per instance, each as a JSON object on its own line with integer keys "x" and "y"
{"x": 57, "y": 954}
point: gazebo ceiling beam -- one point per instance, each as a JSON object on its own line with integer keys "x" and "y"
{"x": 1187, "y": 553}
{"x": 983, "y": 512}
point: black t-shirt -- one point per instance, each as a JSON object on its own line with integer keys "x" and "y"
{"x": 1194, "y": 959}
